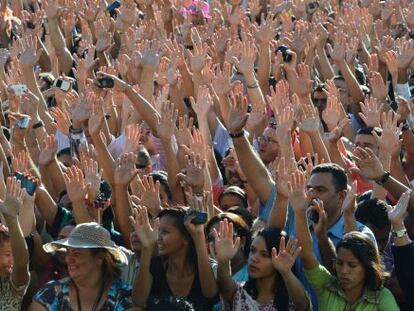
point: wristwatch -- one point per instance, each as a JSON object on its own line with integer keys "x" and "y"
{"x": 383, "y": 178}
{"x": 400, "y": 233}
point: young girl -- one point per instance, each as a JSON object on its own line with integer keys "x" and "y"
{"x": 182, "y": 268}
{"x": 271, "y": 285}
{"x": 14, "y": 256}
{"x": 359, "y": 282}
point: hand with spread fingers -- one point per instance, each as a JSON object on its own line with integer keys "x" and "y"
{"x": 148, "y": 235}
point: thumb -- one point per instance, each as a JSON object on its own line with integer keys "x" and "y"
{"x": 182, "y": 177}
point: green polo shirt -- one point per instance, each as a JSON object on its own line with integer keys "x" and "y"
{"x": 331, "y": 297}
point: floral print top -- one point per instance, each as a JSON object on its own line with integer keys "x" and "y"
{"x": 55, "y": 296}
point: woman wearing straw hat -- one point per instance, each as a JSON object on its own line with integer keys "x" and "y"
{"x": 94, "y": 276}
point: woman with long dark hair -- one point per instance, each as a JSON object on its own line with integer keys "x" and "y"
{"x": 182, "y": 267}
{"x": 271, "y": 284}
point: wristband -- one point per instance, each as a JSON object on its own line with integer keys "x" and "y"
{"x": 37, "y": 125}
{"x": 237, "y": 135}
{"x": 383, "y": 178}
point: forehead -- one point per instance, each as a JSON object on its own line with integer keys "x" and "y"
{"x": 259, "y": 243}
{"x": 345, "y": 254}
{"x": 321, "y": 180}
{"x": 365, "y": 139}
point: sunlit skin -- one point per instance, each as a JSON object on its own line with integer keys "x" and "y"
{"x": 6, "y": 259}
{"x": 367, "y": 141}
{"x": 269, "y": 150}
{"x": 260, "y": 261}
{"x": 351, "y": 274}
{"x": 321, "y": 185}
{"x": 81, "y": 263}
{"x": 238, "y": 260}
{"x": 170, "y": 239}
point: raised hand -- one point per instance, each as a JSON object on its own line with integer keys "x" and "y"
{"x": 20, "y": 162}
{"x": 151, "y": 56}
{"x": 96, "y": 118}
{"x": 125, "y": 169}
{"x": 378, "y": 87}
{"x": 238, "y": 114}
{"x": 389, "y": 141}
{"x": 149, "y": 195}
{"x": 297, "y": 194}
{"x": 93, "y": 176}
{"x": 204, "y": 102}
{"x": 397, "y": 214}
{"x": 75, "y": 184}
{"x": 284, "y": 121}
{"x": 267, "y": 30}
{"x": 225, "y": 245}
{"x": 132, "y": 135}
{"x": 10, "y": 207}
{"x": 331, "y": 113}
{"x": 337, "y": 53}
{"x": 166, "y": 124}
{"x": 148, "y": 235}
{"x": 405, "y": 53}
{"x": 48, "y": 151}
{"x": 62, "y": 119}
{"x": 285, "y": 259}
{"x": 301, "y": 82}
{"x": 194, "y": 172}
{"x": 349, "y": 203}
{"x": 183, "y": 132}
{"x": 29, "y": 53}
{"x": 279, "y": 96}
{"x": 199, "y": 57}
{"x": 309, "y": 119}
{"x": 248, "y": 57}
{"x": 368, "y": 164}
{"x": 282, "y": 171}
{"x": 371, "y": 112}
{"x": 222, "y": 79}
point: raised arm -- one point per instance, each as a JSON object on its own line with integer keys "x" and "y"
{"x": 148, "y": 237}
{"x": 10, "y": 209}
{"x": 299, "y": 202}
{"x": 253, "y": 168}
{"x": 225, "y": 247}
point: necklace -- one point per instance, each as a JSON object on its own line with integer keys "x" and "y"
{"x": 98, "y": 298}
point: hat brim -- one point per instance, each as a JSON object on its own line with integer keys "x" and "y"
{"x": 54, "y": 246}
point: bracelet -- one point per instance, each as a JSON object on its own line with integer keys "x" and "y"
{"x": 37, "y": 125}
{"x": 383, "y": 178}
{"x": 237, "y": 135}
{"x": 75, "y": 131}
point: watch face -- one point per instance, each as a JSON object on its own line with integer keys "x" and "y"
{"x": 400, "y": 233}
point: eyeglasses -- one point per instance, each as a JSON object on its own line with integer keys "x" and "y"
{"x": 265, "y": 139}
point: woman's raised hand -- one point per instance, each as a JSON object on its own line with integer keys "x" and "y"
{"x": 285, "y": 259}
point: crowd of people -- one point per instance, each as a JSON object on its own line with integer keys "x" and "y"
{"x": 246, "y": 155}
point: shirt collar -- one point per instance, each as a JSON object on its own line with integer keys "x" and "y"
{"x": 369, "y": 296}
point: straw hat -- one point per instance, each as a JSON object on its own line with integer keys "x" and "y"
{"x": 88, "y": 235}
